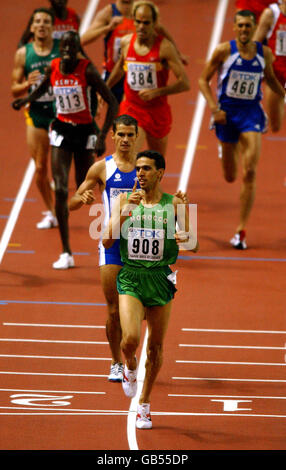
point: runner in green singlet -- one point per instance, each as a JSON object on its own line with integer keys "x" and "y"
{"x": 146, "y": 222}
{"x": 29, "y": 65}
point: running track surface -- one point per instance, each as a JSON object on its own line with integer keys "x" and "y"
{"x": 222, "y": 384}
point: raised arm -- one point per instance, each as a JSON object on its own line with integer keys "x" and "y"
{"x": 35, "y": 94}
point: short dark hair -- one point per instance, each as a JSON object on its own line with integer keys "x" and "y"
{"x": 246, "y": 13}
{"x": 153, "y": 155}
{"x": 126, "y": 120}
{"x": 74, "y": 36}
{"x": 43, "y": 10}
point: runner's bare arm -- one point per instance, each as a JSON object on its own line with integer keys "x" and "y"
{"x": 84, "y": 193}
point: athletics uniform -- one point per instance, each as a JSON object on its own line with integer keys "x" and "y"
{"x": 116, "y": 182}
{"x": 256, "y": 6}
{"x": 112, "y": 49}
{"x": 276, "y": 40}
{"x": 71, "y": 23}
{"x": 143, "y": 72}
{"x": 239, "y": 94}
{"x": 74, "y": 127}
{"x": 147, "y": 248}
{"x": 40, "y": 113}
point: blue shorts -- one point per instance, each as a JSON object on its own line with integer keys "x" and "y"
{"x": 250, "y": 118}
{"x": 110, "y": 255}
{"x": 118, "y": 88}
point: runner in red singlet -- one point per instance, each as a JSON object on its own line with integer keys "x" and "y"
{"x": 272, "y": 27}
{"x": 113, "y": 22}
{"x": 73, "y": 133}
{"x": 145, "y": 60}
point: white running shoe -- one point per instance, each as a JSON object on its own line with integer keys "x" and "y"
{"x": 116, "y": 372}
{"x": 143, "y": 418}
{"x": 129, "y": 382}
{"x": 49, "y": 221}
{"x": 239, "y": 240}
{"x": 65, "y": 261}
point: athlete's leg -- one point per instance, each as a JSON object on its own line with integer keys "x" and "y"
{"x": 250, "y": 144}
{"x": 39, "y": 146}
{"x": 160, "y": 145}
{"x": 157, "y": 321}
{"x": 132, "y": 314}
{"x": 108, "y": 274}
{"x": 140, "y": 140}
{"x": 61, "y": 162}
{"x": 229, "y": 159}
{"x": 275, "y": 106}
{"x": 82, "y": 160}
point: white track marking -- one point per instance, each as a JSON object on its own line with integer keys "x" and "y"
{"x": 213, "y": 330}
{"x": 88, "y": 15}
{"x": 50, "y": 391}
{"x": 180, "y": 395}
{"x": 21, "y": 340}
{"x": 230, "y": 347}
{"x": 201, "y": 102}
{"x": 82, "y": 358}
{"x": 217, "y": 379}
{"x": 234, "y": 363}
{"x": 17, "y": 206}
{"x": 185, "y": 174}
{"x": 51, "y": 325}
{"x": 4, "y": 372}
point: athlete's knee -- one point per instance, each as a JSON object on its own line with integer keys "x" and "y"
{"x": 113, "y": 313}
{"x": 61, "y": 193}
{"x": 249, "y": 175}
{"x": 129, "y": 343}
{"x": 155, "y": 354}
{"x": 40, "y": 170}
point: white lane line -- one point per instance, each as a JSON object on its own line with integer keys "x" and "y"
{"x": 180, "y": 395}
{"x": 213, "y": 330}
{"x": 131, "y": 420}
{"x": 230, "y": 347}
{"x": 50, "y": 391}
{"x": 117, "y": 412}
{"x": 24, "y": 340}
{"x": 201, "y": 102}
{"x": 53, "y": 325}
{"x": 58, "y": 357}
{"x": 217, "y": 379}
{"x": 234, "y": 363}
{"x": 88, "y": 15}
{"x": 183, "y": 182}
{"x": 51, "y": 373}
{"x": 158, "y": 413}
{"x": 11, "y": 222}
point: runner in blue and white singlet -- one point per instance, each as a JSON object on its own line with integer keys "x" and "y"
{"x": 116, "y": 183}
{"x": 239, "y": 94}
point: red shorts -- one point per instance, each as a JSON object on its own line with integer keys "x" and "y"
{"x": 155, "y": 120}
